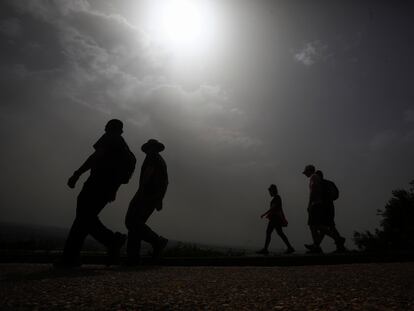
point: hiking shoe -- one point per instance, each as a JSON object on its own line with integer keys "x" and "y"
{"x": 159, "y": 247}
{"x": 66, "y": 264}
{"x": 263, "y": 252}
{"x": 114, "y": 251}
{"x": 309, "y": 246}
{"x": 340, "y": 250}
{"x": 340, "y": 243}
{"x": 290, "y": 250}
{"x": 133, "y": 262}
{"x": 313, "y": 249}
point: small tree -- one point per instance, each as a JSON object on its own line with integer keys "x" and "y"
{"x": 397, "y": 227}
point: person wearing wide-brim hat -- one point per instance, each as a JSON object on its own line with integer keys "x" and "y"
{"x": 153, "y": 183}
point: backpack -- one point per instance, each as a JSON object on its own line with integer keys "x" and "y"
{"x": 331, "y": 190}
{"x": 127, "y": 166}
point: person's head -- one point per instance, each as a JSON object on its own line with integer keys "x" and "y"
{"x": 152, "y": 146}
{"x": 309, "y": 170}
{"x": 319, "y": 173}
{"x": 272, "y": 190}
{"x": 114, "y": 126}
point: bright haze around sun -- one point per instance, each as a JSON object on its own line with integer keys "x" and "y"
{"x": 243, "y": 93}
{"x": 183, "y": 27}
{"x": 190, "y": 34}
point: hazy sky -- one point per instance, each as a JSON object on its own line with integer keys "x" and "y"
{"x": 242, "y": 93}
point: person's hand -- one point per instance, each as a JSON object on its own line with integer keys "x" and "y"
{"x": 72, "y": 181}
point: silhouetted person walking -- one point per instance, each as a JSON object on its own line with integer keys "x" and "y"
{"x": 314, "y": 207}
{"x": 327, "y": 227}
{"x": 277, "y": 220}
{"x": 320, "y": 212}
{"x": 153, "y": 183}
{"x": 111, "y": 165}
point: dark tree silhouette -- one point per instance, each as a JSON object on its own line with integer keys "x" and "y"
{"x": 397, "y": 227}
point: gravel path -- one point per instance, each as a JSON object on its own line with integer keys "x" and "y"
{"x": 337, "y": 287}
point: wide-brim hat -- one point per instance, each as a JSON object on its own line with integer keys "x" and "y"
{"x": 152, "y": 145}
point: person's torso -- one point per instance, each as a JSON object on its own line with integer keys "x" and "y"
{"x": 316, "y": 189}
{"x": 157, "y": 178}
{"x": 111, "y": 152}
{"x": 275, "y": 208}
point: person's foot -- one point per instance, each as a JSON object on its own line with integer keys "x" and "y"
{"x": 67, "y": 264}
{"x": 340, "y": 246}
{"x": 340, "y": 250}
{"x": 263, "y": 252}
{"x": 159, "y": 247}
{"x": 313, "y": 249}
{"x": 340, "y": 242}
{"x": 290, "y": 250}
{"x": 133, "y": 262}
{"x": 114, "y": 251}
{"x": 309, "y": 246}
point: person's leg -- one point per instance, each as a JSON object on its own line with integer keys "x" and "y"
{"x": 317, "y": 236}
{"x": 313, "y": 219}
{"x": 333, "y": 233}
{"x": 79, "y": 229}
{"x": 284, "y": 238}
{"x": 269, "y": 230}
{"x": 157, "y": 242}
{"x": 148, "y": 235}
{"x": 330, "y": 228}
{"x": 89, "y": 206}
{"x": 138, "y": 213}
{"x": 112, "y": 241}
{"x": 74, "y": 242}
{"x": 134, "y": 241}
{"x": 98, "y": 230}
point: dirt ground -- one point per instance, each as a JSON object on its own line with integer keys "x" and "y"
{"x": 385, "y": 286}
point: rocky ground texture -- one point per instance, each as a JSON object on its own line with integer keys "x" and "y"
{"x": 384, "y": 286}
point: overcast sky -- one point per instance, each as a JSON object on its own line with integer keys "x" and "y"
{"x": 267, "y": 88}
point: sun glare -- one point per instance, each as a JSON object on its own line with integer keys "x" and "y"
{"x": 185, "y": 27}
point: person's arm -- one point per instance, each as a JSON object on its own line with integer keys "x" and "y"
{"x": 267, "y": 213}
{"x": 270, "y": 211}
{"x": 314, "y": 185}
{"x": 84, "y": 168}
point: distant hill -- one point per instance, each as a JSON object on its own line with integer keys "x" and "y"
{"x": 30, "y": 237}
{"x": 37, "y": 237}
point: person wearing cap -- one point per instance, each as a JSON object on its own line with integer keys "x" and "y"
{"x": 315, "y": 208}
{"x": 111, "y": 165}
{"x": 321, "y": 212}
{"x": 153, "y": 183}
{"x": 277, "y": 220}
{"x": 327, "y": 225}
